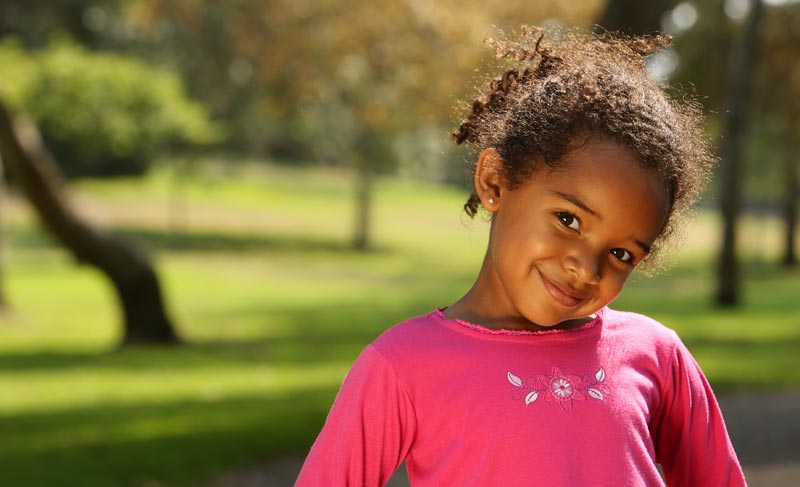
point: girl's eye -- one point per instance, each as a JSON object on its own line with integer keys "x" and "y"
{"x": 623, "y": 255}
{"x": 569, "y": 220}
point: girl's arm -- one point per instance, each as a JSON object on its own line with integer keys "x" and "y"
{"x": 692, "y": 443}
{"x": 368, "y": 431}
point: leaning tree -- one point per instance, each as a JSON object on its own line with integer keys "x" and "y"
{"x": 137, "y": 287}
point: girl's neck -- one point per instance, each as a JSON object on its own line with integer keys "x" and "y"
{"x": 470, "y": 309}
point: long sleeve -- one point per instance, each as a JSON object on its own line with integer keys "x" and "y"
{"x": 692, "y": 443}
{"x": 368, "y": 431}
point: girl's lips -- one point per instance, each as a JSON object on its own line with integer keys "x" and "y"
{"x": 561, "y": 294}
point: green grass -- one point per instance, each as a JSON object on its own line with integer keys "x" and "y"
{"x": 274, "y": 307}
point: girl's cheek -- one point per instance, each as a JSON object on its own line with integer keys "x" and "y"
{"x": 622, "y": 280}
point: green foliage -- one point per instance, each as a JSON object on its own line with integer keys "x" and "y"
{"x": 275, "y": 309}
{"x": 289, "y": 77}
{"x": 102, "y": 114}
{"x": 19, "y": 72}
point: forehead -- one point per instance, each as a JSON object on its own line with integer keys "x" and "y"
{"x": 611, "y": 180}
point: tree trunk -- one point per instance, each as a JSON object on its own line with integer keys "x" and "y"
{"x": 136, "y": 284}
{"x": 728, "y": 273}
{"x": 364, "y": 182}
{"x": 792, "y": 193}
{"x": 634, "y": 17}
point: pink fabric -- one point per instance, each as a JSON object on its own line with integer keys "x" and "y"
{"x": 463, "y": 405}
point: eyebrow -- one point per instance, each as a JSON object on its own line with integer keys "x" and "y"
{"x": 577, "y": 202}
{"x": 645, "y": 246}
{"x": 583, "y": 206}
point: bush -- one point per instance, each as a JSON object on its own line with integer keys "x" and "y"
{"x": 100, "y": 113}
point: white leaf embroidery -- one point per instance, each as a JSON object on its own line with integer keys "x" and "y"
{"x": 532, "y": 396}
{"x": 514, "y": 380}
{"x": 600, "y": 375}
{"x": 595, "y": 393}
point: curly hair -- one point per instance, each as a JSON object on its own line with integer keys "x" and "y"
{"x": 583, "y": 85}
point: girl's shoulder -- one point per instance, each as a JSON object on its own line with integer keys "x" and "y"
{"x": 639, "y": 328}
{"x": 410, "y": 332}
{"x": 615, "y": 317}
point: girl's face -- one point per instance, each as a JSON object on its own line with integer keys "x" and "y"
{"x": 563, "y": 243}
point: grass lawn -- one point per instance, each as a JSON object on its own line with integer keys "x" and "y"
{"x": 274, "y": 307}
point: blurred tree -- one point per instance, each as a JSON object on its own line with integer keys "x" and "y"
{"x": 102, "y": 114}
{"x": 735, "y": 124}
{"x": 136, "y": 283}
{"x": 705, "y": 26}
{"x": 776, "y": 95}
{"x": 700, "y": 27}
{"x": 258, "y": 62}
{"x": 35, "y": 21}
{"x": 634, "y": 16}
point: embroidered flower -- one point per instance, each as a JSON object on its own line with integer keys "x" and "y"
{"x": 560, "y": 387}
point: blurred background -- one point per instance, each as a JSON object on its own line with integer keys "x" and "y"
{"x": 210, "y": 207}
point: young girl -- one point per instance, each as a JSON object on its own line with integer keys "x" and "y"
{"x": 586, "y": 166}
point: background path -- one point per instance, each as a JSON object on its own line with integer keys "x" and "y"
{"x": 764, "y": 427}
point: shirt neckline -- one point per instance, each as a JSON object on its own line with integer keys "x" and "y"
{"x": 463, "y": 325}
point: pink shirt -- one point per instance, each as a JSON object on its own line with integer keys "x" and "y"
{"x": 467, "y": 406}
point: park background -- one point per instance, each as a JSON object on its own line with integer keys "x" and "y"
{"x": 224, "y": 202}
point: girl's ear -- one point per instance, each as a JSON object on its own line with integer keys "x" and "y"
{"x": 489, "y": 180}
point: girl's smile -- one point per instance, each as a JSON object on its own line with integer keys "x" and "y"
{"x": 563, "y": 243}
{"x": 564, "y": 294}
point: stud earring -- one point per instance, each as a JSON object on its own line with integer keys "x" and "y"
{"x": 491, "y": 201}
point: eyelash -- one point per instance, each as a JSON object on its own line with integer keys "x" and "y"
{"x": 568, "y": 219}
{"x": 621, "y": 259}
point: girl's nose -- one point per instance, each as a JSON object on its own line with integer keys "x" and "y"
{"x": 584, "y": 266}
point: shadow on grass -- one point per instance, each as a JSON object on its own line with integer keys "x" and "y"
{"x": 172, "y": 443}
{"x": 33, "y": 238}
{"x": 313, "y": 334}
{"x": 231, "y": 242}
